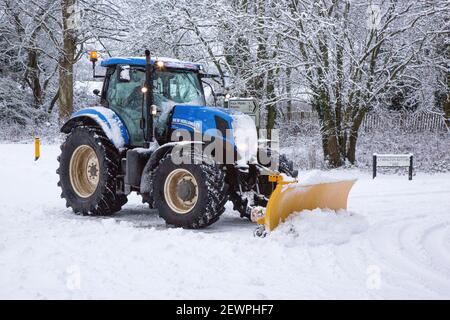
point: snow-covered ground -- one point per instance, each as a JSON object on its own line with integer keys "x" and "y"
{"x": 393, "y": 243}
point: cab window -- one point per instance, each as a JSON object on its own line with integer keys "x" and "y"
{"x": 126, "y": 98}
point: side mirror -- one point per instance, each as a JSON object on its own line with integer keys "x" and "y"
{"x": 96, "y": 92}
{"x": 124, "y": 73}
{"x": 155, "y": 110}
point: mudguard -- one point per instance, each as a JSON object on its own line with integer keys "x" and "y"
{"x": 157, "y": 153}
{"x": 107, "y": 119}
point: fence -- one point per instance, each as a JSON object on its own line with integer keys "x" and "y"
{"x": 407, "y": 122}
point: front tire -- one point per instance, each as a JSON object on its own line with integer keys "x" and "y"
{"x": 88, "y": 168}
{"x": 189, "y": 195}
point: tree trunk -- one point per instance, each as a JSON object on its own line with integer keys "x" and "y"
{"x": 446, "y": 107}
{"x": 330, "y": 146}
{"x": 66, "y": 61}
{"x": 271, "y": 116}
{"x": 340, "y": 131}
{"x": 330, "y": 142}
{"x": 53, "y": 102}
{"x": 33, "y": 78}
{"x": 289, "y": 93}
{"x": 352, "y": 140}
{"x": 271, "y": 106}
{"x": 446, "y": 103}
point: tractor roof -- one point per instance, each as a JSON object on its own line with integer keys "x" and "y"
{"x": 140, "y": 61}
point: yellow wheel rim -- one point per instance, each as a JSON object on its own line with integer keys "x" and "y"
{"x": 181, "y": 191}
{"x": 84, "y": 171}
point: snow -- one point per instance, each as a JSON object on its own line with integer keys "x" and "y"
{"x": 393, "y": 242}
{"x": 317, "y": 176}
{"x": 393, "y": 154}
{"x": 246, "y": 138}
{"x": 320, "y": 227}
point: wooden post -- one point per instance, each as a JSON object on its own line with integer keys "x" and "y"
{"x": 410, "y": 173}
{"x": 374, "y": 164}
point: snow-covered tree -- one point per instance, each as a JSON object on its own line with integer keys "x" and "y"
{"x": 351, "y": 54}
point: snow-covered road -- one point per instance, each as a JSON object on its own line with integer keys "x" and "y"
{"x": 394, "y": 243}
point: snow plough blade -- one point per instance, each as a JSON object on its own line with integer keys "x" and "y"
{"x": 292, "y": 196}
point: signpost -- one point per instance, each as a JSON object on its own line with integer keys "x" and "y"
{"x": 247, "y": 106}
{"x": 393, "y": 160}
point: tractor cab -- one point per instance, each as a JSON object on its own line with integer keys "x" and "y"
{"x": 174, "y": 83}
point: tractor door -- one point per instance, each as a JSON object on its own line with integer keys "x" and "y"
{"x": 123, "y": 95}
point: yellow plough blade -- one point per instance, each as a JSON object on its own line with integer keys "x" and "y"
{"x": 291, "y": 196}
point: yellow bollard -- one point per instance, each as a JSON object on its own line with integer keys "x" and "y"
{"x": 37, "y": 149}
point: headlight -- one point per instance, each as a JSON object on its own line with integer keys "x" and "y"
{"x": 245, "y": 138}
{"x": 242, "y": 147}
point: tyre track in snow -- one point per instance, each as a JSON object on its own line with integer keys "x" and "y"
{"x": 432, "y": 241}
{"x": 439, "y": 256}
{"x": 404, "y": 238}
{"x": 412, "y": 250}
{"x": 400, "y": 259}
{"x": 134, "y": 254}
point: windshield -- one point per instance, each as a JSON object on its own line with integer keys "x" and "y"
{"x": 175, "y": 87}
{"x": 171, "y": 88}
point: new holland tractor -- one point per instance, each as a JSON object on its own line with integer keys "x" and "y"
{"x": 153, "y": 134}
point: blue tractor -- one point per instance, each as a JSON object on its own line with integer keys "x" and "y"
{"x": 151, "y": 114}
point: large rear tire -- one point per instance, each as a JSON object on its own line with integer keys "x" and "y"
{"x": 189, "y": 195}
{"x": 88, "y": 168}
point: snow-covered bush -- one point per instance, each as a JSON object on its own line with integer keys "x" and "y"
{"x": 431, "y": 149}
{"x": 20, "y": 122}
